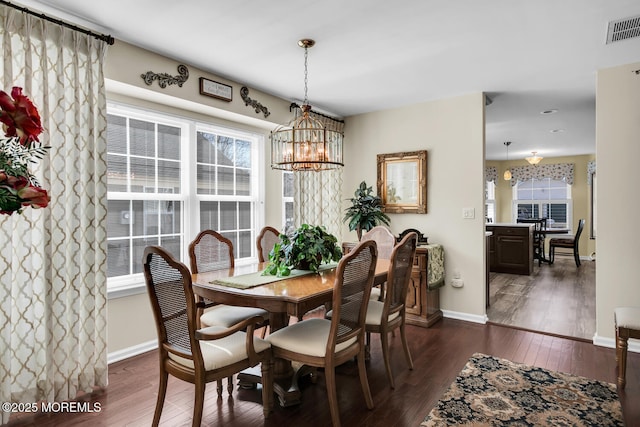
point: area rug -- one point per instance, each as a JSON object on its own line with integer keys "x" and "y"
{"x": 496, "y": 392}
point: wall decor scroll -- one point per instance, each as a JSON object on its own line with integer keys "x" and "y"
{"x": 215, "y": 89}
{"x": 165, "y": 79}
{"x": 244, "y": 93}
{"x": 402, "y": 182}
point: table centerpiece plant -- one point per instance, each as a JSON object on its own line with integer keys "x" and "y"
{"x": 365, "y": 211}
{"x": 305, "y": 249}
{"x": 20, "y": 149}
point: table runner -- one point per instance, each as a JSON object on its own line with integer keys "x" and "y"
{"x": 435, "y": 261}
{"x": 251, "y": 280}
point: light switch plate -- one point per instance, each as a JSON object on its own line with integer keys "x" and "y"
{"x": 468, "y": 213}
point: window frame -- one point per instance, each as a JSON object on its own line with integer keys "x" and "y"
{"x": 119, "y": 286}
{"x": 540, "y": 202}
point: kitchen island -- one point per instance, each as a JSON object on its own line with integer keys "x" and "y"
{"x": 511, "y": 248}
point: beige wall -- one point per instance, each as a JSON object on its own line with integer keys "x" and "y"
{"x": 452, "y": 131}
{"x": 130, "y": 321}
{"x": 580, "y": 194}
{"x": 617, "y": 151}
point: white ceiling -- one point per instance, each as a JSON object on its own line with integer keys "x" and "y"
{"x": 529, "y": 56}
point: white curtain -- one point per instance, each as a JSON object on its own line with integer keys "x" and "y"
{"x": 53, "y": 260}
{"x": 317, "y": 198}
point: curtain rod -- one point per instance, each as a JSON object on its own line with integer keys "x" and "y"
{"x": 104, "y": 37}
{"x": 295, "y": 105}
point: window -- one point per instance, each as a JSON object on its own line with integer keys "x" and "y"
{"x": 288, "y": 226}
{"x": 167, "y": 179}
{"x": 543, "y": 198}
{"x": 490, "y": 201}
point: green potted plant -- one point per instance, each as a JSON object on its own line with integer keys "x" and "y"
{"x": 365, "y": 211}
{"x": 305, "y": 249}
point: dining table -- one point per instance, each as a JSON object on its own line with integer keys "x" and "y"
{"x": 283, "y": 298}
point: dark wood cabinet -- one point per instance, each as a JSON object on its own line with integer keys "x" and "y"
{"x": 422, "y": 304}
{"x": 511, "y": 249}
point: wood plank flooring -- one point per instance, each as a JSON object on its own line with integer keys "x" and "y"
{"x": 439, "y": 353}
{"x": 558, "y": 299}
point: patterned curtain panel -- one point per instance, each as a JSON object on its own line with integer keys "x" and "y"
{"x": 53, "y": 260}
{"x": 490, "y": 174}
{"x": 553, "y": 171}
{"x": 317, "y": 198}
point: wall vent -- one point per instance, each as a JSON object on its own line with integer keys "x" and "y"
{"x": 623, "y": 29}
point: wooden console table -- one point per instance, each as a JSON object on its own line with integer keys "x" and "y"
{"x": 427, "y": 277}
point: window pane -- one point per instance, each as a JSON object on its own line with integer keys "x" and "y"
{"x": 143, "y": 175}
{"x": 145, "y": 213}
{"x": 142, "y": 138}
{"x": 168, "y": 142}
{"x": 118, "y": 218}
{"x": 287, "y": 182}
{"x": 233, "y": 236}
{"x": 288, "y": 227}
{"x": 228, "y": 216}
{"x": 138, "y": 251}
{"x": 209, "y": 216}
{"x": 118, "y": 257}
{"x": 172, "y": 244}
{"x": 170, "y": 217}
{"x": 243, "y": 182}
{"x": 225, "y": 181}
{"x": 116, "y": 134}
{"x": 244, "y": 211}
{"x": 206, "y": 143}
{"x": 245, "y": 244}
{"x": 168, "y": 177}
{"x": 116, "y": 173}
{"x": 243, "y": 154}
{"x": 206, "y": 176}
{"x": 225, "y": 151}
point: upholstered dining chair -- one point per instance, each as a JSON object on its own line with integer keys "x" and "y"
{"x": 328, "y": 343}
{"x": 386, "y": 242}
{"x": 198, "y": 356}
{"x": 389, "y": 315}
{"x": 627, "y": 323}
{"x": 265, "y": 242}
{"x": 567, "y": 243}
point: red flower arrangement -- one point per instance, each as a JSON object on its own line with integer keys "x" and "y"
{"x": 19, "y": 149}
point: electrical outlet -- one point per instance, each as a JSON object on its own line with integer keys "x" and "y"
{"x": 468, "y": 213}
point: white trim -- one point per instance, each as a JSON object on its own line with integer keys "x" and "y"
{"x": 634, "y": 345}
{"x": 465, "y": 316}
{"x": 128, "y": 352}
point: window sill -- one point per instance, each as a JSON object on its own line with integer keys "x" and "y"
{"x": 122, "y": 290}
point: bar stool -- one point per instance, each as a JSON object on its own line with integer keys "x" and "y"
{"x": 627, "y": 322}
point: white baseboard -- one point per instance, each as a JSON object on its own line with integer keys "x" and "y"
{"x": 465, "y": 316}
{"x": 634, "y": 345}
{"x": 128, "y": 352}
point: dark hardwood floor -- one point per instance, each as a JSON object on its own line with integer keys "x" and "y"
{"x": 558, "y": 299}
{"x": 439, "y": 353}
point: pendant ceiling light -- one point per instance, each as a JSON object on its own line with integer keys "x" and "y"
{"x": 534, "y": 159}
{"x": 507, "y": 173}
{"x": 305, "y": 143}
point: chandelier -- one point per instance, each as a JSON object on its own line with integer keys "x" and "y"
{"x": 305, "y": 143}
{"x": 534, "y": 159}
{"x": 507, "y": 174}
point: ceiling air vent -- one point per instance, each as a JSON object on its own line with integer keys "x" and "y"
{"x": 623, "y": 29}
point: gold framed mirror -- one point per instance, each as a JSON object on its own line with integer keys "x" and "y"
{"x": 402, "y": 182}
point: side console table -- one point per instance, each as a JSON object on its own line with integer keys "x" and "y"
{"x": 427, "y": 277}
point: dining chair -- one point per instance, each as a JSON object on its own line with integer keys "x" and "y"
{"x": 567, "y": 243}
{"x": 198, "y": 356}
{"x": 325, "y": 343}
{"x": 386, "y": 242}
{"x": 265, "y": 242}
{"x": 389, "y": 315}
{"x": 627, "y": 324}
{"x": 539, "y": 237}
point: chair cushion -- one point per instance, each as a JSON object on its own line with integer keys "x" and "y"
{"x": 223, "y": 352}
{"x": 308, "y": 337}
{"x": 627, "y": 317}
{"x": 374, "y": 313}
{"x": 228, "y": 315}
{"x": 375, "y": 293}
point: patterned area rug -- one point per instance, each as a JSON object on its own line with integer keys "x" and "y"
{"x": 496, "y": 392}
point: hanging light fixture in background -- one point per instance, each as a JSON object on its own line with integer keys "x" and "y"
{"x": 305, "y": 144}
{"x": 534, "y": 159}
{"x": 507, "y": 173}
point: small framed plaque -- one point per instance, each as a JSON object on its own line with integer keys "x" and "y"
{"x": 215, "y": 89}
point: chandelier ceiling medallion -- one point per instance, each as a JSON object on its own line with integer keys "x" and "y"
{"x": 305, "y": 143}
{"x": 534, "y": 159}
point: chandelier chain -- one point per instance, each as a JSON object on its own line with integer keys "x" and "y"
{"x": 306, "y": 79}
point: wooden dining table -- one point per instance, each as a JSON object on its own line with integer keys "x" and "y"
{"x": 284, "y": 298}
